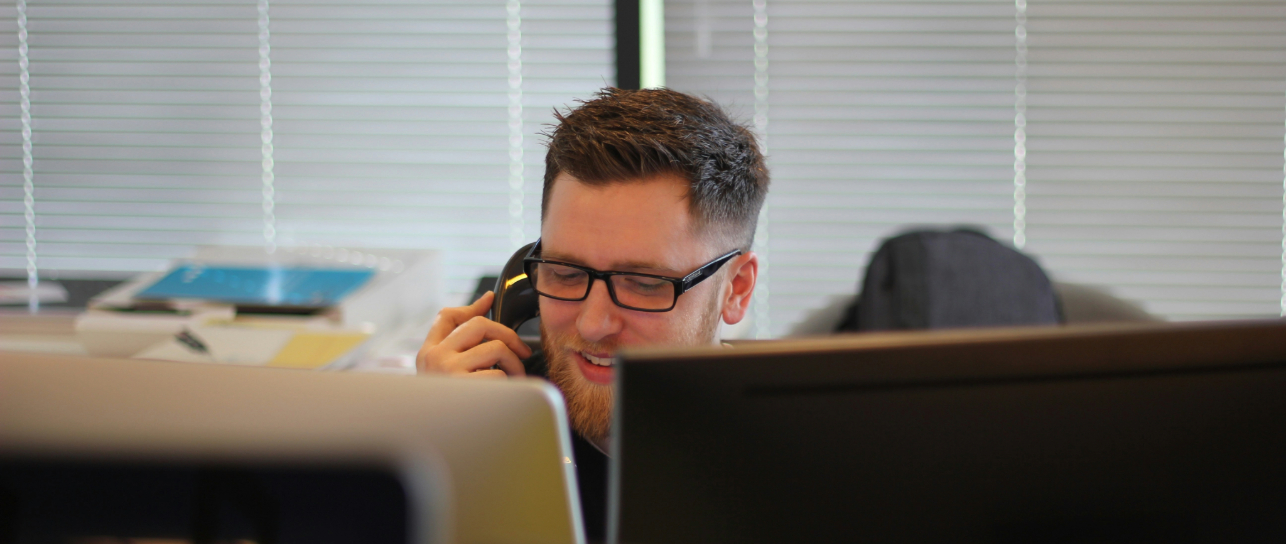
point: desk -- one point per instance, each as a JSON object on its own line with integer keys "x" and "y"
{"x": 51, "y": 331}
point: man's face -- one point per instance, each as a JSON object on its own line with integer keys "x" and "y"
{"x": 642, "y": 226}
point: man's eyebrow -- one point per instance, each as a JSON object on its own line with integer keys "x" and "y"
{"x": 640, "y": 266}
{"x": 619, "y": 266}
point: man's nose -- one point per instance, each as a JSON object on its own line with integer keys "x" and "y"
{"x": 599, "y": 316}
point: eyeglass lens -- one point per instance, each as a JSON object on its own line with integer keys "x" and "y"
{"x": 633, "y": 291}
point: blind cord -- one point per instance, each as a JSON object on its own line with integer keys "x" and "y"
{"x": 265, "y": 132}
{"x": 763, "y": 319}
{"x": 513, "y": 22}
{"x": 28, "y": 186}
{"x": 1020, "y": 124}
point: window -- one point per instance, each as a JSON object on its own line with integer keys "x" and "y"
{"x": 1151, "y": 137}
{"x": 398, "y": 124}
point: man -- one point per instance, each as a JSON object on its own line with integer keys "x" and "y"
{"x": 647, "y": 217}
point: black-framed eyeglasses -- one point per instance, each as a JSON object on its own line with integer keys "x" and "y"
{"x": 630, "y": 290}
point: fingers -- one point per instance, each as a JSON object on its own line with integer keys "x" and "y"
{"x": 504, "y": 358}
{"x": 450, "y": 318}
{"x": 486, "y": 374}
{"x": 462, "y": 341}
{"x": 493, "y": 355}
{"x": 480, "y": 329}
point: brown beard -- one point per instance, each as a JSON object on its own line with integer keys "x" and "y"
{"x": 589, "y": 405}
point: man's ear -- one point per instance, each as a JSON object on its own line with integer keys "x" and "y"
{"x": 742, "y": 273}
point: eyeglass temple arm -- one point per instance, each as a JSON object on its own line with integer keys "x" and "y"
{"x": 706, "y": 271}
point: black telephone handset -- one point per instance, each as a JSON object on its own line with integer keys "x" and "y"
{"x": 516, "y": 302}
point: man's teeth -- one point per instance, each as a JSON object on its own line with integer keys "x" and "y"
{"x": 600, "y": 361}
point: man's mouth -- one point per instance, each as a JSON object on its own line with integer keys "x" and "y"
{"x": 597, "y": 359}
{"x": 596, "y": 367}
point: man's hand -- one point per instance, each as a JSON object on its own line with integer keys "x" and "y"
{"x": 464, "y": 342}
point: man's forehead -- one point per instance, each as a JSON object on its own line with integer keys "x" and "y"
{"x": 625, "y": 265}
{"x": 642, "y": 225}
{"x": 675, "y": 183}
{"x": 663, "y": 196}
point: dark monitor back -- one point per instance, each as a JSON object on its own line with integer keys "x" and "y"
{"x": 1152, "y": 434}
{"x": 70, "y": 500}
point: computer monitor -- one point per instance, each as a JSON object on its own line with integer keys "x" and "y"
{"x": 126, "y": 449}
{"x": 1162, "y": 433}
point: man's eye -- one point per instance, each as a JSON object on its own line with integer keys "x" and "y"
{"x": 643, "y": 285}
{"x": 567, "y": 275}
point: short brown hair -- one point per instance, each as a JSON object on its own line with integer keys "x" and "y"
{"x": 627, "y": 135}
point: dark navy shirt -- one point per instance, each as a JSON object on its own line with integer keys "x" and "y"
{"x": 591, "y": 477}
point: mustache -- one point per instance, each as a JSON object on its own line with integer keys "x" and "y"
{"x": 574, "y": 342}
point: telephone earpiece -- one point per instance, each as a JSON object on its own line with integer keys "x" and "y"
{"x": 516, "y": 302}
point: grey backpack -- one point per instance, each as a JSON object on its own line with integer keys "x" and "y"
{"x": 961, "y": 278}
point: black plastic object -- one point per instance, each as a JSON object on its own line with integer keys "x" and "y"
{"x": 516, "y": 302}
{"x": 64, "y": 499}
{"x": 1135, "y": 433}
{"x": 937, "y": 280}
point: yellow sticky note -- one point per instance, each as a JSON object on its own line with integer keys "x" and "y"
{"x": 314, "y": 350}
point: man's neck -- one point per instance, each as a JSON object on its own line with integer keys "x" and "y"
{"x": 602, "y": 444}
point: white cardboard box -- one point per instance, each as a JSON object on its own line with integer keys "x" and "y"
{"x": 407, "y": 286}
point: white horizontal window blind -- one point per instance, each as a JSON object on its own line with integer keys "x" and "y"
{"x": 709, "y": 51}
{"x": 144, "y": 133}
{"x": 1155, "y": 149}
{"x": 390, "y": 125}
{"x": 13, "y": 223}
{"x": 1147, "y": 159}
{"x": 159, "y": 126}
